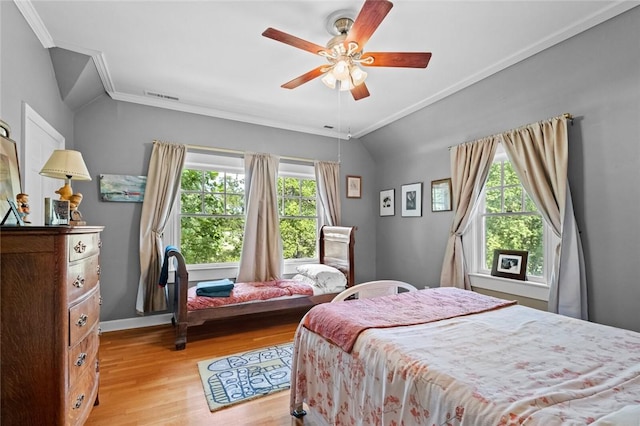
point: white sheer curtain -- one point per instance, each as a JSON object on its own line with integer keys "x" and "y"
{"x": 328, "y": 184}
{"x": 163, "y": 186}
{"x": 539, "y": 154}
{"x": 261, "y": 258}
{"x": 470, "y": 164}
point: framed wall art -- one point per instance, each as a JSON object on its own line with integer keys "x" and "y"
{"x": 441, "y": 195}
{"x": 122, "y": 188}
{"x": 412, "y": 200}
{"x": 387, "y": 202}
{"x": 510, "y": 264}
{"x": 354, "y": 187}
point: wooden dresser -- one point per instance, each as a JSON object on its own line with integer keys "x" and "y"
{"x": 50, "y": 297}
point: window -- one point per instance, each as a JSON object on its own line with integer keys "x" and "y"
{"x": 210, "y": 223}
{"x": 298, "y": 217}
{"x": 508, "y": 219}
{"x": 211, "y": 216}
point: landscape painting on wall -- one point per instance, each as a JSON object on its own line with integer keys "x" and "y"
{"x": 122, "y": 188}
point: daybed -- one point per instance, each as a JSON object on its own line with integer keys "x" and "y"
{"x": 455, "y": 357}
{"x": 336, "y": 247}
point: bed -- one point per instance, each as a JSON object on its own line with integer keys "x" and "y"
{"x": 461, "y": 358}
{"x": 336, "y": 254}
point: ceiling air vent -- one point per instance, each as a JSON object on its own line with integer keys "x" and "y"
{"x": 161, "y": 96}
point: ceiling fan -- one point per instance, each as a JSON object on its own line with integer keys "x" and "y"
{"x": 344, "y": 52}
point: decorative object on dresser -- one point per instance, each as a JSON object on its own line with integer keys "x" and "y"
{"x": 50, "y": 309}
{"x": 10, "y": 185}
{"x": 68, "y": 164}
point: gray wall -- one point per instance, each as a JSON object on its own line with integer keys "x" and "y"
{"x": 116, "y": 138}
{"x": 596, "y": 77}
{"x": 27, "y": 76}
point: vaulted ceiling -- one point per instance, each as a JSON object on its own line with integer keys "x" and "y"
{"x": 209, "y": 57}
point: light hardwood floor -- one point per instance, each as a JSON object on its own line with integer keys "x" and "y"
{"x": 145, "y": 381}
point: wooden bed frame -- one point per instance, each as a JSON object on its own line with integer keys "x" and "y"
{"x": 336, "y": 249}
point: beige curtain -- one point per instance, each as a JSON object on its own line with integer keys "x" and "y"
{"x": 470, "y": 164}
{"x": 539, "y": 154}
{"x": 328, "y": 184}
{"x": 163, "y": 186}
{"x": 261, "y": 258}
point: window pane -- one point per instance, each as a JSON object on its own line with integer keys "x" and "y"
{"x": 291, "y": 186}
{"x": 235, "y": 183}
{"x": 235, "y": 204}
{"x": 529, "y": 204}
{"x": 308, "y": 208}
{"x": 493, "y": 179}
{"x": 214, "y": 203}
{"x": 214, "y": 181}
{"x": 510, "y": 176}
{"x": 298, "y": 238}
{"x": 190, "y": 203}
{"x": 191, "y": 180}
{"x": 308, "y": 188}
{"x": 513, "y": 199}
{"x": 291, "y": 207}
{"x": 493, "y": 201}
{"x": 515, "y": 232}
{"x": 211, "y": 240}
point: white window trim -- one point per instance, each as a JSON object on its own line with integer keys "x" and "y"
{"x": 479, "y": 276}
{"x": 208, "y": 271}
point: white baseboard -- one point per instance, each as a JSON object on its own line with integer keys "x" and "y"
{"x": 125, "y": 324}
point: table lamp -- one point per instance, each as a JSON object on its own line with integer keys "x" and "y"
{"x": 67, "y": 164}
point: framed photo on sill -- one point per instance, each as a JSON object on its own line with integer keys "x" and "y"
{"x": 354, "y": 187}
{"x": 510, "y": 264}
{"x": 412, "y": 200}
{"x": 387, "y": 202}
{"x": 441, "y": 195}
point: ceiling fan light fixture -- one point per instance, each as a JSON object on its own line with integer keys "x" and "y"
{"x": 329, "y": 80}
{"x": 345, "y": 84}
{"x": 358, "y": 76}
{"x": 341, "y": 70}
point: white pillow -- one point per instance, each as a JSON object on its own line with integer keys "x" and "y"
{"x": 325, "y": 276}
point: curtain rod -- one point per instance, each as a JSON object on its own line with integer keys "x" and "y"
{"x": 238, "y": 152}
{"x": 566, "y": 116}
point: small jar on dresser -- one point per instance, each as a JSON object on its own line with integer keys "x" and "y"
{"x": 50, "y": 299}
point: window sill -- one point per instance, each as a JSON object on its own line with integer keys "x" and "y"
{"x": 530, "y": 289}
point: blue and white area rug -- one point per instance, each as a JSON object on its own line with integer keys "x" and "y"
{"x": 245, "y": 376}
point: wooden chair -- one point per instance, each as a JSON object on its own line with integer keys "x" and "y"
{"x": 374, "y": 289}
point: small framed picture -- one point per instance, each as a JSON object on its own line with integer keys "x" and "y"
{"x": 387, "y": 202}
{"x": 12, "y": 217}
{"x": 56, "y": 212}
{"x": 441, "y": 195}
{"x": 510, "y": 264}
{"x": 354, "y": 187}
{"x": 412, "y": 200}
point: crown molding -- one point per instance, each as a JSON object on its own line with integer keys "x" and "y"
{"x": 33, "y": 19}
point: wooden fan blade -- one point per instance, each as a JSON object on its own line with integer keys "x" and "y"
{"x": 360, "y": 91}
{"x": 397, "y": 59}
{"x": 369, "y": 18}
{"x": 304, "y": 78}
{"x": 294, "y": 41}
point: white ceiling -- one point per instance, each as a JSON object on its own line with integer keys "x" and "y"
{"x": 211, "y": 55}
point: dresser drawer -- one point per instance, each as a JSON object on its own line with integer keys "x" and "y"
{"x": 82, "y": 246}
{"x": 83, "y": 356}
{"x": 83, "y": 277}
{"x": 83, "y": 317}
{"x": 81, "y": 398}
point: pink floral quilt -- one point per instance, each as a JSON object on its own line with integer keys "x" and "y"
{"x": 249, "y": 292}
{"x": 341, "y": 323}
{"x": 508, "y": 366}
